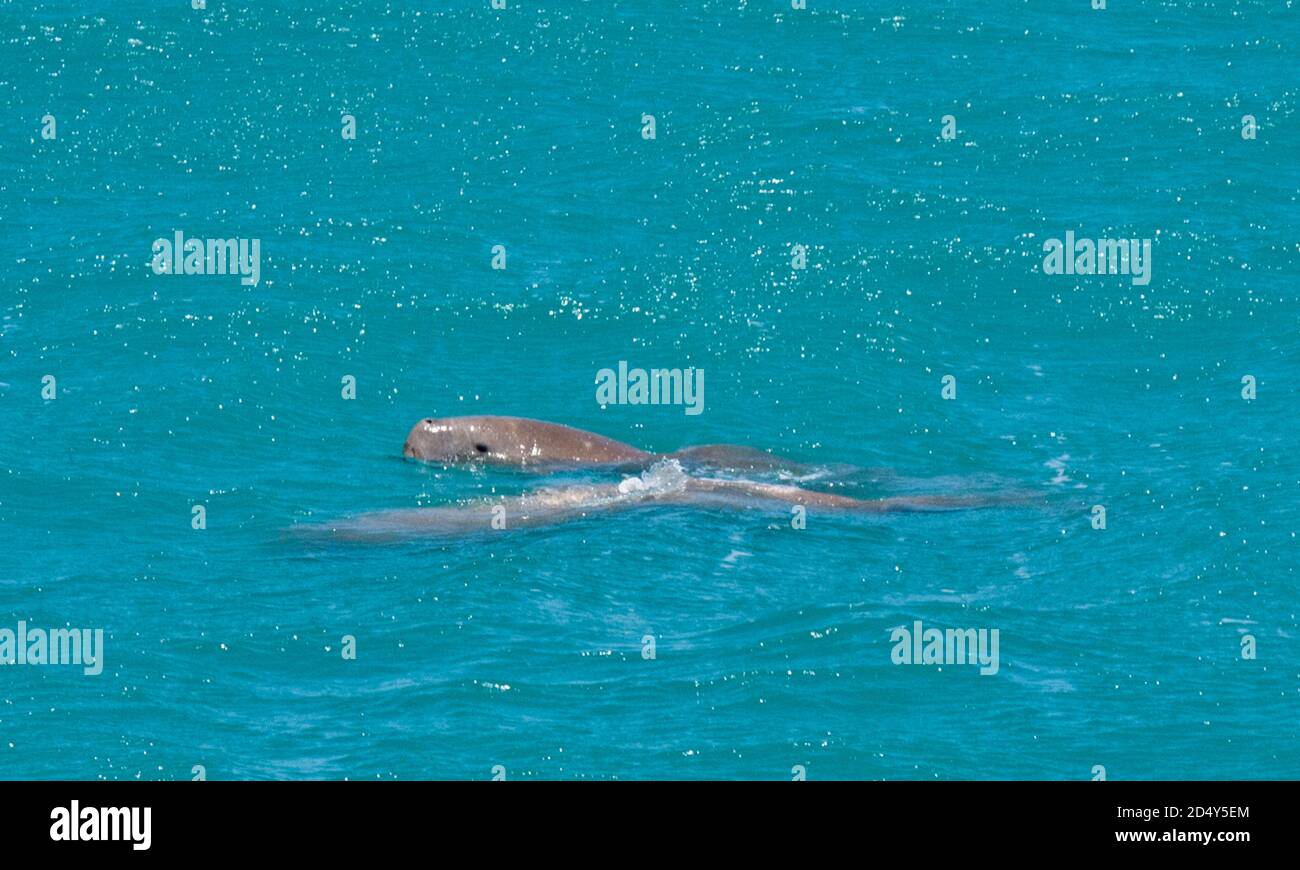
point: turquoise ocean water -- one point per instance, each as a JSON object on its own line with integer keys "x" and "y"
{"x": 1120, "y": 648}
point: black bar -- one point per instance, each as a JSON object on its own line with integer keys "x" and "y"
{"x": 332, "y": 819}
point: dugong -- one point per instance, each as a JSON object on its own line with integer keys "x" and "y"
{"x": 664, "y": 483}
{"x": 522, "y": 442}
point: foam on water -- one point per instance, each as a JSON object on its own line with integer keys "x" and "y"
{"x": 662, "y": 478}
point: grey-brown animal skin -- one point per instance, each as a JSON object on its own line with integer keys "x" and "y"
{"x": 564, "y": 503}
{"x": 522, "y": 442}
{"x": 514, "y": 441}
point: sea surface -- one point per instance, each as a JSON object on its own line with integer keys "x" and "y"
{"x": 660, "y": 641}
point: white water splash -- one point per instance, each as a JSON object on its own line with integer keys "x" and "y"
{"x": 662, "y": 478}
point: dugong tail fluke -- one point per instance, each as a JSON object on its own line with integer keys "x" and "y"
{"x": 792, "y": 495}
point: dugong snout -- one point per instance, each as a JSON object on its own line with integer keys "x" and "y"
{"x": 410, "y": 448}
{"x": 432, "y": 439}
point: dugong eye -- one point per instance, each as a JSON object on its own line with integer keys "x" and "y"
{"x": 481, "y": 448}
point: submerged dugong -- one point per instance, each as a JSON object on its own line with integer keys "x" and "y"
{"x": 665, "y": 483}
{"x": 523, "y": 442}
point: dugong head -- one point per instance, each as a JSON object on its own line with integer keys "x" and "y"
{"x": 447, "y": 440}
